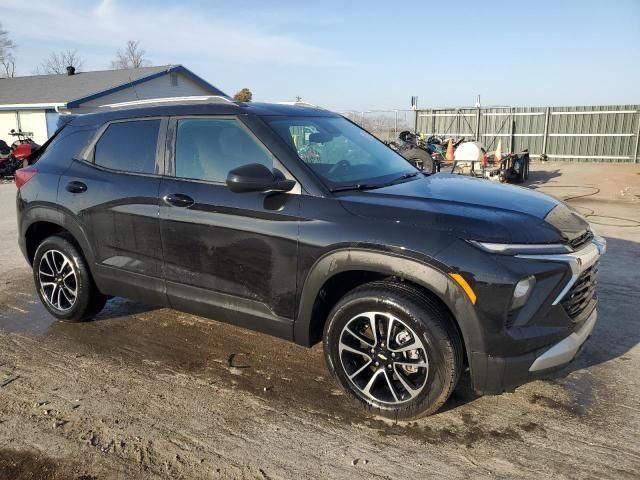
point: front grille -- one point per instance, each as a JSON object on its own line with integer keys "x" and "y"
{"x": 581, "y": 240}
{"x": 582, "y": 292}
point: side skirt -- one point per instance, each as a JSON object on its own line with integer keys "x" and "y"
{"x": 229, "y": 309}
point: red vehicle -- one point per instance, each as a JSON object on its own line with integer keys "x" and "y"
{"x": 15, "y": 157}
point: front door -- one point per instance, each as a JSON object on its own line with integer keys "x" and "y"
{"x": 228, "y": 256}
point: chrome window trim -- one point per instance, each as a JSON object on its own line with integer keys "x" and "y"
{"x": 87, "y": 154}
{"x": 172, "y": 138}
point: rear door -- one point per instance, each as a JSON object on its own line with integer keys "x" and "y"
{"x": 113, "y": 192}
{"x": 230, "y": 256}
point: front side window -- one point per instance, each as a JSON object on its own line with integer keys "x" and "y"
{"x": 129, "y": 146}
{"x": 341, "y": 153}
{"x": 208, "y": 148}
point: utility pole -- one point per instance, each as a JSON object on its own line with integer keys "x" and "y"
{"x": 635, "y": 152}
{"x": 414, "y": 107}
{"x": 545, "y": 134}
{"x": 478, "y": 113}
{"x": 513, "y": 129}
{"x": 395, "y": 124}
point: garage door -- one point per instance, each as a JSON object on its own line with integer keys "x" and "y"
{"x": 8, "y": 122}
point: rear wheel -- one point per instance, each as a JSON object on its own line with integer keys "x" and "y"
{"x": 393, "y": 350}
{"x": 63, "y": 281}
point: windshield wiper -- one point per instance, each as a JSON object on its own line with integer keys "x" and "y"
{"x": 403, "y": 177}
{"x": 371, "y": 186}
{"x": 355, "y": 186}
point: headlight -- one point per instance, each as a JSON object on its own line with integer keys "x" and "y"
{"x": 522, "y": 291}
{"x": 522, "y": 248}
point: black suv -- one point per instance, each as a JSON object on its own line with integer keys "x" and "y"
{"x": 296, "y": 222}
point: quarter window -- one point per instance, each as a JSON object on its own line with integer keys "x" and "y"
{"x": 129, "y": 146}
{"x": 207, "y": 149}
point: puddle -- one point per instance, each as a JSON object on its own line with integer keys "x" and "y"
{"x": 28, "y": 315}
{"x": 168, "y": 342}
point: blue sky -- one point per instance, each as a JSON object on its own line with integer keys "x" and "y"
{"x": 359, "y": 54}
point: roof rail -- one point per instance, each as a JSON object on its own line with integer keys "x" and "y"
{"x": 151, "y": 101}
{"x": 300, "y": 104}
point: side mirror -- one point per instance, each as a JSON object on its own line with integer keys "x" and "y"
{"x": 255, "y": 177}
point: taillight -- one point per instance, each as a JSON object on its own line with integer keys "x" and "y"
{"x": 23, "y": 175}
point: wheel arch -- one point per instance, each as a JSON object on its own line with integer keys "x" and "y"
{"x": 373, "y": 265}
{"x": 40, "y": 222}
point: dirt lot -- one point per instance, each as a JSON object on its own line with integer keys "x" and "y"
{"x": 154, "y": 393}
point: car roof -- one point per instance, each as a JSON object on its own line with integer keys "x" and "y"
{"x": 204, "y": 106}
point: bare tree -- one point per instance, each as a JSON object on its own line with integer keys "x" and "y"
{"x": 7, "y": 60}
{"x": 57, "y": 62}
{"x": 8, "y": 67}
{"x": 131, "y": 57}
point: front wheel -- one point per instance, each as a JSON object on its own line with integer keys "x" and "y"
{"x": 64, "y": 282}
{"x": 393, "y": 350}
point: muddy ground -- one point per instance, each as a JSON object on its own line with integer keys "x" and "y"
{"x": 153, "y": 393}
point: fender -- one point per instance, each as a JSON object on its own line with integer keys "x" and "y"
{"x": 53, "y": 214}
{"x": 406, "y": 268}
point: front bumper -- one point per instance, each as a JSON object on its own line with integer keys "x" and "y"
{"x": 565, "y": 350}
{"x": 503, "y": 372}
{"x": 494, "y": 375}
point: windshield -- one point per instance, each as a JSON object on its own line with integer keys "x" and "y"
{"x": 341, "y": 153}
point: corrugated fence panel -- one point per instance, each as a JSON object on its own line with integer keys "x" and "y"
{"x": 608, "y": 133}
{"x": 582, "y": 133}
{"x": 529, "y": 130}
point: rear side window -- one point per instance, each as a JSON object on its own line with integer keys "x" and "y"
{"x": 129, "y": 146}
{"x": 67, "y": 144}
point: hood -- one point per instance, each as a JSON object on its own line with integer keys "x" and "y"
{"x": 475, "y": 208}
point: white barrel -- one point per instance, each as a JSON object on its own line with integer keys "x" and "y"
{"x": 469, "y": 152}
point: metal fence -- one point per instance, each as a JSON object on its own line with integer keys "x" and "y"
{"x": 384, "y": 124}
{"x": 585, "y": 133}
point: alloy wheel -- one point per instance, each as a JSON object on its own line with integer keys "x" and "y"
{"x": 58, "y": 280}
{"x": 383, "y": 358}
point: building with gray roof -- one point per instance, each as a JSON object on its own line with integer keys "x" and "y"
{"x": 33, "y": 103}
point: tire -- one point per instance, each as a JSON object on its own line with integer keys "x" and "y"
{"x": 59, "y": 270}
{"x": 417, "y": 320}
{"x": 420, "y": 159}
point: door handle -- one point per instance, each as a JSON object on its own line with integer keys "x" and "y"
{"x": 76, "y": 187}
{"x": 179, "y": 200}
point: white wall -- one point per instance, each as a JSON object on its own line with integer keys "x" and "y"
{"x": 26, "y": 120}
{"x": 8, "y": 121}
{"x": 159, "y": 87}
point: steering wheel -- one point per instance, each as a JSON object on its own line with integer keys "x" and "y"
{"x": 340, "y": 164}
